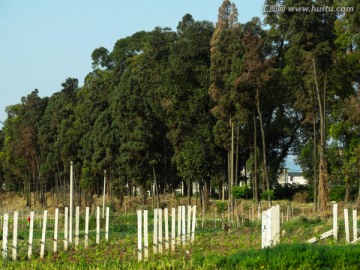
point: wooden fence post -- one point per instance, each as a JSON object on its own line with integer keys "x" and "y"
{"x": 107, "y": 224}
{"x": 335, "y": 222}
{"x": 183, "y": 227}
{"x": 31, "y": 233}
{"x": 160, "y": 244}
{"x": 173, "y": 222}
{"x": 56, "y": 229}
{"x": 139, "y": 213}
{"x": 193, "y": 224}
{"x": 354, "y": 224}
{"x": 188, "y": 231}
{"x": 77, "y": 224}
{"x": 43, "y": 236}
{"x": 5, "y": 235}
{"x": 155, "y": 236}
{"x": 347, "y": 229}
{"x": 146, "y": 236}
{"x": 15, "y": 230}
{"x": 97, "y": 225}
{"x": 66, "y": 226}
{"x": 87, "y": 213}
{"x": 179, "y": 224}
{"x": 166, "y": 216}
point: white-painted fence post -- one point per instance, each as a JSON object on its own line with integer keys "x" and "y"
{"x": 173, "y": 222}
{"x": 354, "y": 224}
{"x": 107, "y": 224}
{"x": 276, "y": 226}
{"x": 97, "y": 225}
{"x": 43, "y": 236}
{"x": 155, "y": 236}
{"x": 335, "y": 222}
{"x": 71, "y": 203}
{"x": 5, "y": 235}
{"x": 188, "y": 231}
{"x": 56, "y": 229}
{"x": 77, "y": 225}
{"x": 15, "y": 230}
{"x": 66, "y": 220}
{"x": 160, "y": 244}
{"x": 264, "y": 229}
{"x": 139, "y": 213}
{"x": 31, "y": 234}
{"x": 347, "y": 228}
{"x": 87, "y": 213}
{"x": 104, "y": 195}
{"x": 166, "y": 216}
{"x": 146, "y": 236}
{"x": 183, "y": 226}
{"x": 179, "y": 224}
{"x": 193, "y": 223}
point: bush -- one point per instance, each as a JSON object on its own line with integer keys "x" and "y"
{"x": 265, "y": 195}
{"x": 221, "y": 206}
{"x": 287, "y": 191}
{"x": 242, "y": 192}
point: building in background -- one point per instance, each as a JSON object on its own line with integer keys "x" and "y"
{"x": 291, "y": 177}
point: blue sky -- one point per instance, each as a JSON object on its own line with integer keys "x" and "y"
{"x": 44, "y": 42}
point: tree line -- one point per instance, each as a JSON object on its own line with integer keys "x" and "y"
{"x": 219, "y": 104}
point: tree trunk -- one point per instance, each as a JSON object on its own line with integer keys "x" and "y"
{"x": 265, "y": 175}
{"x": 323, "y": 190}
{"x": 256, "y": 192}
{"x": 315, "y": 164}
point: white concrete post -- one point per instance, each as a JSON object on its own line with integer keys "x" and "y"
{"x": 166, "y": 216}
{"x": 66, "y": 220}
{"x": 71, "y": 202}
{"x": 188, "y": 223}
{"x": 31, "y": 234}
{"x": 87, "y": 212}
{"x": 104, "y": 189}
{"x": 146, "y": 236}
{"x": 77, "y": 225}
{"x": 107, "y": 224}
{"x": 179, "y": 224}
{"x": 139, "y": 213}
{"x": 335, "y": 223}
{"x": 15, "y": 230}
{"x": 56, "y": 229}
{"x": 160, "y": 244}
{"x": 193, "y": 224}
{"x": 97, "y": 225}
{"x": 347, "y": 228}
{"x": 173, "y": 222}
{"x": 43, "y": 236}
{"x": 155, "y": 236}
{"x": 354, "y": 224}
{"x": 183, "y": 226}
{"x": 5, "y": 235}
{"x": 264, "y": 229}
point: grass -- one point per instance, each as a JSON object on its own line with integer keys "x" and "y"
{"x": 212, "y": 249}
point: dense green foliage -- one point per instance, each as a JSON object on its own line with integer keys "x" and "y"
{"x": 162, "y": 106}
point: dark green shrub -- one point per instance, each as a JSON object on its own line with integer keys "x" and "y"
{"x": 242, "y": 192}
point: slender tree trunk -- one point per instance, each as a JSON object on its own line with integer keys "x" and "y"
{"x": 315, "y": 164}
{"x": 347, "y": 189}
{"x": 256, "y": 192}
{"x": 237, "y": 157}
{"x": 323, "y": 190}
{"x": 358, "y": 196}
{"x": 265, "y": 175}
{"x": 156, "y": 187}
